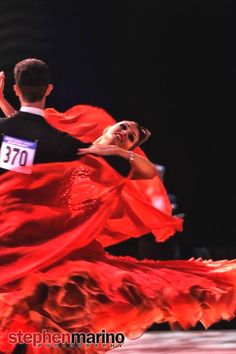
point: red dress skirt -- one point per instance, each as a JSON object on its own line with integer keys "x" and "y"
{"x": 54, "y": 272}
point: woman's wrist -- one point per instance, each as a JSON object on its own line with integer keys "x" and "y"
{"x": 126, "y": 154}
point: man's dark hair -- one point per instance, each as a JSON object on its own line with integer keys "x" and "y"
{"x": 32, "y": 77}
{"x": 144, "y": 134}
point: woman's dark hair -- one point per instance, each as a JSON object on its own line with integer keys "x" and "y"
{"x": 32, "y": 76}
{"x": 144, "y": 134}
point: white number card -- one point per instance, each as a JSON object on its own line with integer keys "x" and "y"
{"x": 17, "y": 153}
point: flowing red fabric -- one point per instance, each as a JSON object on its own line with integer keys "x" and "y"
{"x": 54, "y": 272}
{"x": 87, "y": 123}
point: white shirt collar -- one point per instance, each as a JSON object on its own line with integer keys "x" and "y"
{"x": 33, "y": 110}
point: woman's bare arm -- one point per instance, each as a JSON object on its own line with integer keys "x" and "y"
{"x": 142, "y": 168}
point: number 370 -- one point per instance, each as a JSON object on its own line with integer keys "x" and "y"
{"x": 12, "y": 154}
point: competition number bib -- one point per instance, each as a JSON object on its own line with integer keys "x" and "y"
{"x": 17, "y": 153}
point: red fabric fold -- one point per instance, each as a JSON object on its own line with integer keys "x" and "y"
{"x": 87, "y": 124}
{"x": 46, "y": 216}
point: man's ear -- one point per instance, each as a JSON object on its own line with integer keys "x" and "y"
{"x": 17, "y": 90}
{"x": 49, "y": 90}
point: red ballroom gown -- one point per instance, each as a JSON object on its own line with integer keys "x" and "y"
{"x": 55, "y": 273}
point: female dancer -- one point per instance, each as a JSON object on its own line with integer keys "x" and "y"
{"x": 55, "y": 274}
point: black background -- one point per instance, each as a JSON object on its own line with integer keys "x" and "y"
{"x": 170, "y": 65}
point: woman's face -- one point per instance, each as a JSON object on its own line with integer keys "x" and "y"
{"x": 123, "y": 134}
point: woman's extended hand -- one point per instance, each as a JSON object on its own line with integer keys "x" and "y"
{"x": 100, "y": 149}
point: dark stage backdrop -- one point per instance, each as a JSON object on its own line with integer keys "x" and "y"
{"x": 157, "y": 62}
